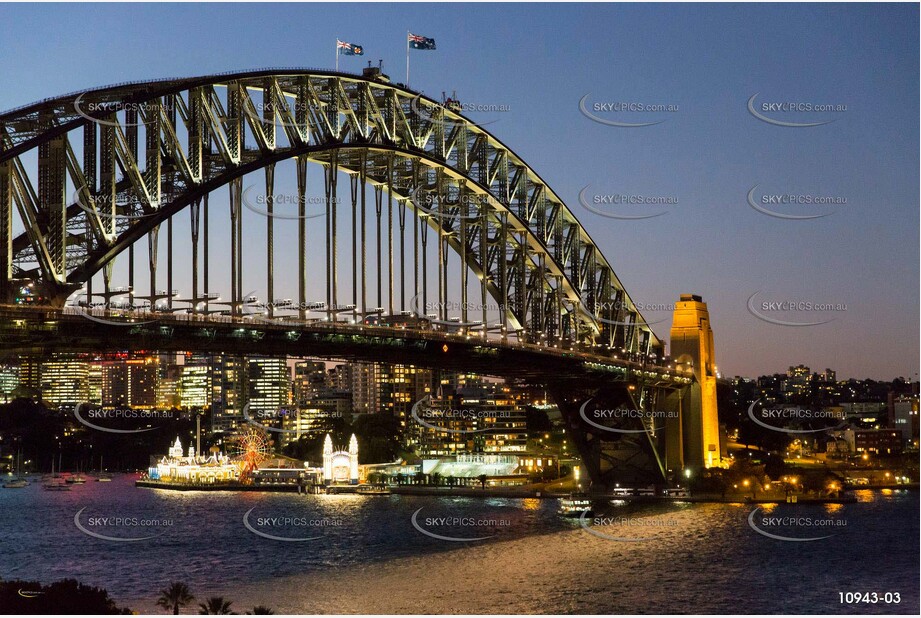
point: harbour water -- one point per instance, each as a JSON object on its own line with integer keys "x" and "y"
{"x": 382, "y": 554}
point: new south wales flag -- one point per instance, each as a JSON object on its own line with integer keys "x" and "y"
{"x": 349, "y": 49}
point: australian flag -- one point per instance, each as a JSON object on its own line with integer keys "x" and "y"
{"x": 421, "y": 42}
{"x": 349, "y": 49}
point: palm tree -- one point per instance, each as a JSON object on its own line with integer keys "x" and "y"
{"x": 174, "y": 597}
{"x": 261, "y": 610}
{"x": 215, "y": 605}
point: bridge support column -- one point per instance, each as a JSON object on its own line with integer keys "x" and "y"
{"x": 692, "y": 346}
{"x": 205, "y": 254}
{"x": 194, "y": 221}
{"x": 332, "y": 274}
{"x": 152, "y": 247}
{"x": 270, "y": 237}
{"x": 674, "y": 435}
{"x": 235, "y": 249}
{"x": 586, "y": 443}
{"x": 390, "y": 235}
{"x": 302, "y": 237}
{"x": 6, "y": 231}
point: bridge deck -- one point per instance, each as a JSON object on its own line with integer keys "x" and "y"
{"x": 45, "y": 330}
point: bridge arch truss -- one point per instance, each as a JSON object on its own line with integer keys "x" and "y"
{"x": 84, "y": 177}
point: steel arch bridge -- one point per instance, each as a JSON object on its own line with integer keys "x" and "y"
{"x": 85, "y": 177}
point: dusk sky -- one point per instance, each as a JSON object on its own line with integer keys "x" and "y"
{"x": 538, "y": 61}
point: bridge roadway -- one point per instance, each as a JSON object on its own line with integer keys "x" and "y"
{"x": 40, "y": 331}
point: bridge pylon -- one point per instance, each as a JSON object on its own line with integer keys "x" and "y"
{"x": 693, "y": 440}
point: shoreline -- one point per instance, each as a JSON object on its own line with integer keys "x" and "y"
{"x": 468, "y": 492}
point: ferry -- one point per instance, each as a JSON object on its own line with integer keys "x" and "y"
{"x": 575, "y": 505}
{"x": 373, "y": 490}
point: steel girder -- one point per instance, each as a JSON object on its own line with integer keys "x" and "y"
{"x": 509, "y": 228}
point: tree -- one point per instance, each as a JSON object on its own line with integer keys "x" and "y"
{"x": 537, "y": 420}
{"x": 482, "y": 480}
{"x": 261, "y": 610}
{"x": 215, "y": 605}
{"x": 174, "y": 597}
{"x": 774, "y": 466}
{"x": 19, "y": 597}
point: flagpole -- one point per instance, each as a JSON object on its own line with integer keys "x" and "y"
{"x": 407, "y": 57}
{"x": 337, "y": 55}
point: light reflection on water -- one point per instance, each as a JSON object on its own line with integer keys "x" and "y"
{"x": 707, "y": 563}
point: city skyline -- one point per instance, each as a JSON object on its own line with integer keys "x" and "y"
{"x": 687, "y": 249}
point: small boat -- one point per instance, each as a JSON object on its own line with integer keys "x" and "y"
{"x": 575, "y": 505}
{"x": 103, "y": 477}
{"x": 77, "y": 479}
{"x": 16, "y": 482}
{"x": 56, "y": 482}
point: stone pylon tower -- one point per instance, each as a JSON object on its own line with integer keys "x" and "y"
{"x": 694, "y": 438}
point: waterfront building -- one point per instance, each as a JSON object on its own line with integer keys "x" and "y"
{"x": 484, "y": 419}
{"x": 9, "y": 380}
{"x": 180, "y": 467}
{"x": 853, "y": 441}
{"x": 340, "y": 466}
{"x": 130, "y": 382}
{"x": 64, "y": 380}
{"x": 227, "y": 380}
{"x": 401, "y": 387}
{"x": 195, "y": 387}
{"x": 267, "y": 383}
{"x": 903, "y": 415}
{"x": 309, "y": 379}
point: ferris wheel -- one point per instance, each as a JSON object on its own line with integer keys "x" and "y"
{"x": 248, "y": 449}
